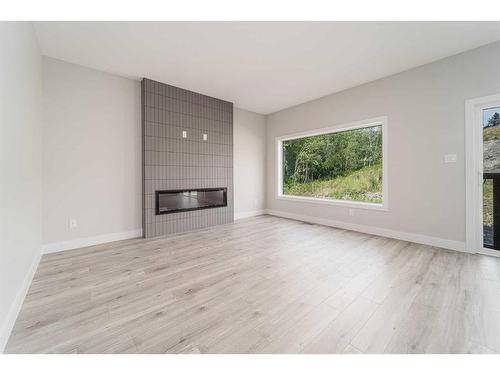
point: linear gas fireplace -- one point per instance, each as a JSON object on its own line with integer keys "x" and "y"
{"x": 170, "y": 201}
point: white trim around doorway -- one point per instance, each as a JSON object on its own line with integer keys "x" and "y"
{"x": 473, "y": 172}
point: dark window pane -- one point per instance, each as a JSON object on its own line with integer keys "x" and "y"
{"x": 488, "y": 212}
{"x": 491, "y": 168}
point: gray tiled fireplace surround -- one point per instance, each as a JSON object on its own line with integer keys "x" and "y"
{"x": 173, "y": 162}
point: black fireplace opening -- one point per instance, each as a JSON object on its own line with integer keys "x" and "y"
{"x": 170, "y": 201}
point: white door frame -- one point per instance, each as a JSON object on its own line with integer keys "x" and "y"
{"x": 473, "y": 172}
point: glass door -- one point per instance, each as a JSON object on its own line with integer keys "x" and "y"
{"x": 491, "y": 177}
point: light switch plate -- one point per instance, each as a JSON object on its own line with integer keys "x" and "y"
{"x": 450, "y": 158}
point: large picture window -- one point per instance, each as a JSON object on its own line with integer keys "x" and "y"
{"x": 340, "y": 165}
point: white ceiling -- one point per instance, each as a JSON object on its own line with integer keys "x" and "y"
{"x": 260, "y": 66}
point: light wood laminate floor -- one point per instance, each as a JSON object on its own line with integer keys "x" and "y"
{"x": 262, "y": 285}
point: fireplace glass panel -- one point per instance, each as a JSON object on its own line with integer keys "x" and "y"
{"x": 168, "y": 201}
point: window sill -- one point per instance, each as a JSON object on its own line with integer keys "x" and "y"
{"x": 335, "y": 202}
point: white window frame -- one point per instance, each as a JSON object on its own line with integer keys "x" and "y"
{"x": 378, "y": 121}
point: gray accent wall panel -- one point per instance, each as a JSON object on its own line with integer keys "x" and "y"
{"x": 173, "y": 162}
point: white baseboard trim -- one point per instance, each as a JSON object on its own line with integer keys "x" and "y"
{"x": 404, "y": 236}
{"x": 90, "y": 241}
{"x": 15, "y": 308}
{"x": 244, "y": 215}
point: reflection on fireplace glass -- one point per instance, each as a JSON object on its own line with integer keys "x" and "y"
{"x": 168, "y": 201}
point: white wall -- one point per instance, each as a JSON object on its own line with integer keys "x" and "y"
{"x": 249, "y": 163}
{"x": 20, "y": 167}
{"x": 425, "y": 109}
{"x": 92, "y": 153}
{"x": 92, "y": 157}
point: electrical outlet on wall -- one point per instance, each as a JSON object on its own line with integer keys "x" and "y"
{"x": 72, "y": 223}
{"x": 184, "y": 134}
